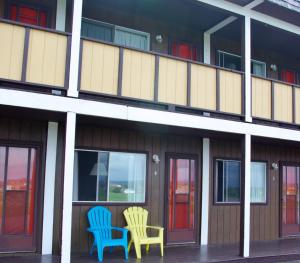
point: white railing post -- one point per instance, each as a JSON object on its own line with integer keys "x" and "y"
{"x": 48, "y": 215}
{"x": 68, "y": 187}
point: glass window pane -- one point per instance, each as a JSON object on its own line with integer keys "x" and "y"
{"x": 103, "y": 176}
{"x": 2, "y": 171}
{"x": 127, "y": 173}
{"x": 228, "y": 181}
{"x": 258, "y": 182}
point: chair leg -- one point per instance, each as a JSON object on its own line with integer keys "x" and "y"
{"x": 137, "y": 250}
{"x": 147, "y": 248}
{"x": 129, "y": 245}
{"x": 92, "y": 249}
{"x": 100, "y": 253}
{"x": 111, "y": 249}
{"x": 162, "y": 249}
{"x": 126, "y": 252}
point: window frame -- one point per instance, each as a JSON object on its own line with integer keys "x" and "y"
{"x": 214, "y": 182}
{"x": 109, "y": 203}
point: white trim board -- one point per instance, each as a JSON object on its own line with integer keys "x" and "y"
{"x": 109, "y": 110}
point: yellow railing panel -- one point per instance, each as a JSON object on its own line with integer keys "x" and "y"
{"x": 172, "y": 81}
{"x": 261, "y": 98}
{"x": 99, "y": 70}
{"x": 203, "y": 87}
{"x": 138, "y": 75}
{"x": 11, "y": 51}
{"x": 46, "y": 58}
{"x": 230, "y": 92}
{"x": 297, "y": 106}
{"x": 283, "y": 101}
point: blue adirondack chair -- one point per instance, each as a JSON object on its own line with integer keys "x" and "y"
{"x": 101, "y": 228}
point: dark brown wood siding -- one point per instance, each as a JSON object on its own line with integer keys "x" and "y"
{"x": 116, "y": 139}
{"x": 224, "y": 220}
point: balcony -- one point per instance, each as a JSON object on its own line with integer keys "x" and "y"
{"x": 33, "y": 55}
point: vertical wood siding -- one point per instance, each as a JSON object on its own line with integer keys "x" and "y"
{"x": 172, "y": 81}
{"x": 11, "y": 51}
{"x": 283, "y": 102}
{"x": 230, "y": 92}
{"x": 261, "y": 98}
{"x": 203, "y": 87}
{"x": 99, "y": 70}
{"x": 224, "y": 220}
{"x": 115, "y": 139}
{"x": 46, "y": 58}
{"x": 138, "y": 75}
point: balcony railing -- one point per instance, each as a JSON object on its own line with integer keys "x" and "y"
{"x": 275, "y": 100}
{"x": 113, "y": 70}
{"x": 33, "y": 55}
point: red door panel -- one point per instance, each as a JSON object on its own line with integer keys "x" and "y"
{"x": 290, "y": 201}
{"x": 181, "y": 200}
{"x": 28, "y": 15}
{"x": 288, "y": 76}
{"x": 18, "y": 198}
{"x": 184, "y": 50}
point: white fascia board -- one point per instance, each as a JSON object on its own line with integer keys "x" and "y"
{"x": 123, "y": 112}
{"x": 253, "y": 4}
{"x": 234, "y": 8}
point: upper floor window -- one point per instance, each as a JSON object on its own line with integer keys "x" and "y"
{"x": 232, "y": 61}
{"x": 116, "y": 34}
{"x": 28, "y": 14}
{"x": 109, "y": 176}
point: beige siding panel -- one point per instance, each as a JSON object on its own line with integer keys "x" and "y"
{"x": 230, "y": 92}
{"x": 172, "y": 81}
{"x": 283, "y": 109}
{"x": 297, "y": 110}
{"x": 99, "y": 71}
{"x": 138, "y": 75}
{"x": 203, "y": 87}
{"x": 11, "y": 51}
{"x": 261, "y": 98}
{"x": 46, "y": 58}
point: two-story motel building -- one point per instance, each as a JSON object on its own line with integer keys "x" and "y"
{"x": 189, "y": 108}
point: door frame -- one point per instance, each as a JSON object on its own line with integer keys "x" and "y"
{"x": 195, "y": 157}
{"x": 39, "y": 193}
{"x": 281, "y": 164}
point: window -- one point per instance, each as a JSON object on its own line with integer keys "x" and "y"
{"x": 228, "y": 179}
{"x": 109, "y": 176}
{"x": 258, "y": 182}
{"x": 231, "y": 61}
{"x": 116, "y": 34}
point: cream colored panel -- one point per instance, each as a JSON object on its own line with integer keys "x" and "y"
{"x": 203, "y": 87}
{"x": 283, "y": 102}
{"x": 297, "y": 109}
{"x": 11, "y": 51}
{"x": 138, "y": 75}
{"x": 46, "y": 58}
{"x": 99, "y": 70}
{"x": 172, "y": 81}
{"x": 230, "y": 92}
{"x": 261, "y": 98}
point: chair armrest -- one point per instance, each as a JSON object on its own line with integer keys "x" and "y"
{"x": 124, "y": 230}
{"x": 155, "y": 227}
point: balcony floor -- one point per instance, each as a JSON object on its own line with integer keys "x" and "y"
{"x": 274, "y": 251}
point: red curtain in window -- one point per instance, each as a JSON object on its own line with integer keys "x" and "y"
{"x": 184, "y": 50}
{"x": 288, "y": 76}
{"x": 28, "y": 15}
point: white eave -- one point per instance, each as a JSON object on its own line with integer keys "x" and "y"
{"x": 289, "y": 4}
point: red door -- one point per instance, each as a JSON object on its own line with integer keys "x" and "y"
{"x": 290, "y": 201}
{"x": 288, "y": 76}
{"x": 181, "y": 196}
{"x": 18, "y": 172}
{"x": 184, "y": 50}
{"x": 28, "y": 15}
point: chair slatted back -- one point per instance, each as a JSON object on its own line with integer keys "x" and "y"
{"x": 100, "y": 218}
{"x": 136, "y": 217}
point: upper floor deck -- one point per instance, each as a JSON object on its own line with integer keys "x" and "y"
{"x": 185, "y": 59}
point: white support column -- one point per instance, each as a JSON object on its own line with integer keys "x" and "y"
{"x": 206, "y": 49}
{"x": 68, "y": 187}
{"x": 246, "y": 187}
{"x": 247, "y": 66}
{"x": 75, "y": 49}
{"x": 205, "y": 190}
{"x": 49, "y": 188}
{"x": 61, "y": 9}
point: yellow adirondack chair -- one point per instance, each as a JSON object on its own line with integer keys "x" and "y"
{"x": 136, "y": 218}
